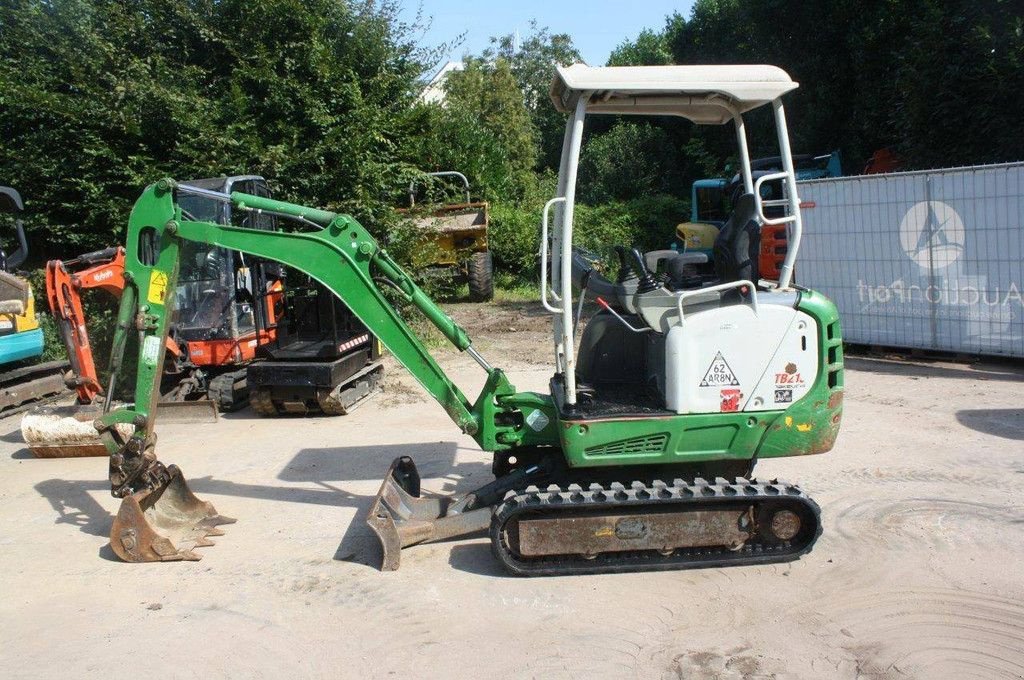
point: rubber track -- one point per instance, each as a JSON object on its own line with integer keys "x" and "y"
{"x": 614, "y": 497}
{"x": 334, "y": 403}
{"x": 34, "y": 372}
{"x": 230, "y": 391}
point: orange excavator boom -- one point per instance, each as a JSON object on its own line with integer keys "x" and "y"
{"x": 65, "y": 281}
{"x": 103, "y": 269}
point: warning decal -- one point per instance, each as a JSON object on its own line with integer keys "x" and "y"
{"x": 730, "y": 400}
{"x": 157, "y": 287}
{"x": 151, "y": 350}
{"x": 719, "y": 373}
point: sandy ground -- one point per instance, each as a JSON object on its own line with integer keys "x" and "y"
{"x": 920, "y": 571}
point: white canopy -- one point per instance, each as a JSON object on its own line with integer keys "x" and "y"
{"x": 703, "y": 94}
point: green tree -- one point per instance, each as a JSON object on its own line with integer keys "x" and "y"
{"x": 650, "y": 48}
{"x": 100, "y": 97}
{"x": 960, "y": 77}
{"x": 631, "y": 160}
{"x": 485, "y": 97}
{"x": 532, "y": 62}
{"x": 940, "y": 81}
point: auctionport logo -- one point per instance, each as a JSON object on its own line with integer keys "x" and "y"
{"x": 932, "y": 234}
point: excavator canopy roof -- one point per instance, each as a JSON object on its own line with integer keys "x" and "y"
{"x": 704, "y": 94}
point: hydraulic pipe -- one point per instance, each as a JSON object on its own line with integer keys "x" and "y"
{"x": 444, "y": 323}
{"x": 250, "y": 202}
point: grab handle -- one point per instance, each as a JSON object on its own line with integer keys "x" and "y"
{"x": 713, "y": 289}
{"x": 544, "y": 259}
{"x": 785, "y": 219}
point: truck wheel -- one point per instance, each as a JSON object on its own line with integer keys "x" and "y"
{"x": 481, "y": 277}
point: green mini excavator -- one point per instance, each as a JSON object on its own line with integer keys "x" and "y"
{"x": 640, "y": 456}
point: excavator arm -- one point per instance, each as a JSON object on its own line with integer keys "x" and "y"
{"x": 65, "y": 282}
{"x": 103, "y": 269}
{"x": 340, "y": 254}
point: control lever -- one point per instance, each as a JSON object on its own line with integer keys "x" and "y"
{"x": 647, "y": 280}
{"x": 625, "y": 271}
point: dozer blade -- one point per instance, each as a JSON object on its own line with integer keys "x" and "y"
{"x": 65, "y": 431}
{"x": 68, "y": 431}
{"x": 400, "y": 517}
{"x": 165, "y": 524}
{"x": 198, "y": 411}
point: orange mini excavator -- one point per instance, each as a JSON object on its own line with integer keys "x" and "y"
{"x": 228, "y": 307}
{"x": 201, "y": 376}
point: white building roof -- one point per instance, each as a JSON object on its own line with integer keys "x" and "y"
{"x": 704, "y": 94}
{"x": 433, "y": 91}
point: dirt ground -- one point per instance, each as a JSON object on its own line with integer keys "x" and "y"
{"x": 918, "y": 573}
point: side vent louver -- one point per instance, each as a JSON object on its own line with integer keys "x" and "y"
{"x": 637, "y": 446}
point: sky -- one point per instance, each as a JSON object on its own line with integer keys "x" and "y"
{"x": 596, "y": 27}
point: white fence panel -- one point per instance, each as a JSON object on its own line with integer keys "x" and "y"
{"x": 928, "y": 260}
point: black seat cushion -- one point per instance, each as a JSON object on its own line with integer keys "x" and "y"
{"x": 738, "y": 244}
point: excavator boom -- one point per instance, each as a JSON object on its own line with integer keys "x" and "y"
{"x": 103, "y": 269}
{"x": 342, "y": 256}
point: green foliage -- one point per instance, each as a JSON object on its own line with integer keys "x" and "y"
{"x": 533, "y": 65}
{"x": 941, "y": 81}
{"x": 964, "y": 107}
{"x": 484, "y": 111}
{"x": 629, "y": 161}
{"x": 460, "y": 140}
{"x": 649, "y": 49}
{"x": 647, "y": 222}
{"x": 100, "y": 97}
{"x": 514, "y": 239}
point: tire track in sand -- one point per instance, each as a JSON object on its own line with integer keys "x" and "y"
{"x": 931, "y": 632}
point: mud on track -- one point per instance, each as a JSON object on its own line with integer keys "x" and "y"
{"x": 917, "y": 575}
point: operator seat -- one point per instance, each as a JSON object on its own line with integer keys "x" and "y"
{"x": 738, "y": 244}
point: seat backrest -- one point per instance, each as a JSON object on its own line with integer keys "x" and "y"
{"x": 738, "y": 244}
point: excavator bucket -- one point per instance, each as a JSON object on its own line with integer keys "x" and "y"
{"x": 68, "y": 431}
{"x": 401, "y": 517}
{"x": 164, "y": 524}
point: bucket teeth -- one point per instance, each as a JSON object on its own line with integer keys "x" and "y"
{"x": 164, "y": 524}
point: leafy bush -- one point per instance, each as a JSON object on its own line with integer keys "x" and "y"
{"x": 100, "y": 98}
{"x": 629, "y": 161}
{"x": 647, "y": 223}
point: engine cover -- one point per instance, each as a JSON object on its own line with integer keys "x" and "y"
{"x": 734, "y": 358}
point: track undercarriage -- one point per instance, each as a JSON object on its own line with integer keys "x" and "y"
{"x": 542, "y": 524}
